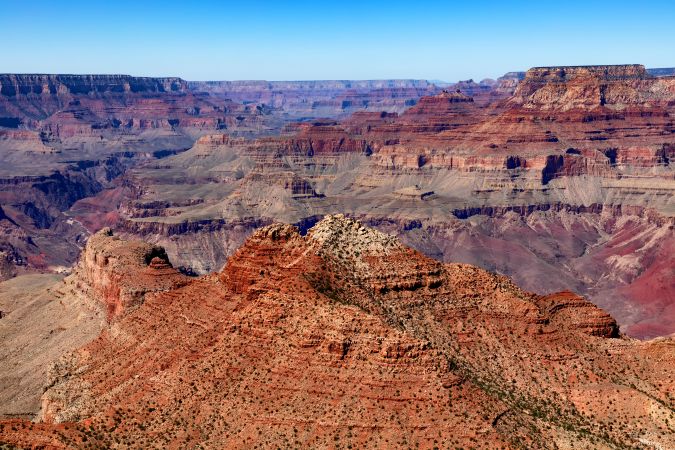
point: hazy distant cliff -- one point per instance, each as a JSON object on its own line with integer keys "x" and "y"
{"x": 12, "y": 85}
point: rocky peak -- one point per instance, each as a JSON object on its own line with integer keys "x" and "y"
{"x": 337, "y": 234}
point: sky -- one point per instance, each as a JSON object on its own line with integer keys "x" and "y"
{"x": 303, "y": 40}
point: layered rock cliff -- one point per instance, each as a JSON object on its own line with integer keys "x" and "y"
{"x": 118, "y": 275}
{"x": 13, "y": 85}
{"x": 591, "y": 87}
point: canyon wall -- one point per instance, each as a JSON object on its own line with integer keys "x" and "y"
{"x": 543, "y": 175}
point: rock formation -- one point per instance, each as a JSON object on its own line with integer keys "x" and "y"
{"x": 45, "y": 316}
{"x": 118, "y": 275}
{"x": 345, "y": 337}
{"x": 590, "y": 87}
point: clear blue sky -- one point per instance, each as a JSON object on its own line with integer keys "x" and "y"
{"x": 278, "y": 40}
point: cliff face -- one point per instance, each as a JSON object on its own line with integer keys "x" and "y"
{"x": 346, "y": 336}
{"x": 591, "y": 87}
{"x": 67, "y": 106}
{"x": 15, "y": 85}
{"x": 117, "y": 275}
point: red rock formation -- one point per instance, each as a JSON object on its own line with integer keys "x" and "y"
{"x": 592, "y": 87}
{"x": 566, "y": 309}
{"x": 346, "y": 337}
{"x": 118, "y": 275}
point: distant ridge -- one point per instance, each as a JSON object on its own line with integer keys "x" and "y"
{"x": 662, "y": 72}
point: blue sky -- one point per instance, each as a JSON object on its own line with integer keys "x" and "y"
{"x": 223, "y": 40}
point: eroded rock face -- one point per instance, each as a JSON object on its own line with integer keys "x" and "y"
{"x": 118, "y": 275}
{"x": 566, "y": 309}
{"x": 345, "y": 335}
{"x": 592, "y": 87}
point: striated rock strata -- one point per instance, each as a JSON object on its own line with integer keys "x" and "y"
{"x": 118, "y": 275}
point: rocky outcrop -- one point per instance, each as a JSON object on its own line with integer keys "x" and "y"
{"x": 292, "y": 342}
{"x": 118, "y": 275}
{"x": 566, "y": 309}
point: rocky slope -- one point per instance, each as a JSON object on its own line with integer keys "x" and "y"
{"x": 345, "y": 337}
{"x": 42, "y": 317}
{"x": 39, "y": 322}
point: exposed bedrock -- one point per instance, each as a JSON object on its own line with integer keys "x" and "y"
{"x": 117, "y": 275}
{"x": 45, "y": 316}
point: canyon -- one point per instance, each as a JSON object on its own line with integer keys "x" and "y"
{"x": 561, "y": 181}
{"x": 382, "y": 263}
{"x": 340, "y": 335}
{"x": 66, "y": 138}
{"x": 560, "y": 177}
